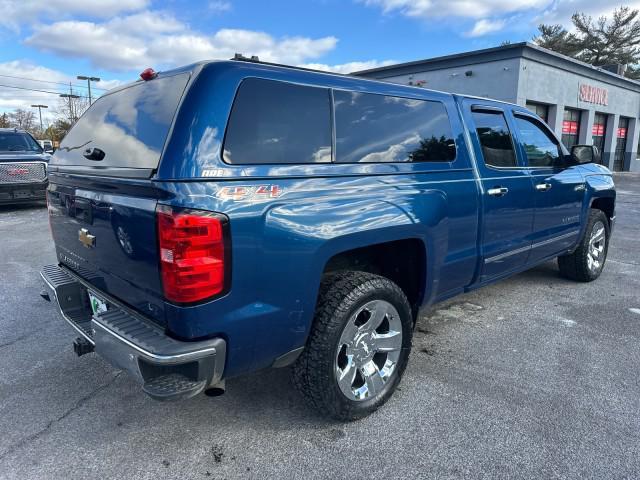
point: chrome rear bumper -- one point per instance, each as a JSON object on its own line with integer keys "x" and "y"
{"x": 168, "y": 368}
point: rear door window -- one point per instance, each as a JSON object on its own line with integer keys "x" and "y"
{"x": 380, "y": 128}
{"x": 495, "y": 138}
{"x": 275, "y": 122}
{"x": 130, "y": 126}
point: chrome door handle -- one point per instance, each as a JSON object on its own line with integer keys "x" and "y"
{"x": 543, "y": 187}
{"x": 498, "y": 191}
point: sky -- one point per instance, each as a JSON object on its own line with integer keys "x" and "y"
{"x": 50, "y": 42}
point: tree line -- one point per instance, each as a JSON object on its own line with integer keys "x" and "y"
{"x": 601, "y": 42}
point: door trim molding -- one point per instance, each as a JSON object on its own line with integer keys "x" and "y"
{"x": 516, "y": 251}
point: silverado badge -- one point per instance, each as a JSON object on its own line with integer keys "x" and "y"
{"x": 86, "y": 238}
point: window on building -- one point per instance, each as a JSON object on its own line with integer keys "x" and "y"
{"x": 599, "y": 130}
{"x": 540, "y": 109}
{"x": 495, "y": 139}
{"x": 621, "y": 144}
{"x": 541, "y": 148}
{"x": 278, "y": 122}
{"x": 379, "y": 128}
{"x": 570, "y": 127}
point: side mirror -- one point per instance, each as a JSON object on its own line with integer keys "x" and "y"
{"x": 582, "y": 154}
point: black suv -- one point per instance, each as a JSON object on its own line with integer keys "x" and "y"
{"x": 23, "y": 167}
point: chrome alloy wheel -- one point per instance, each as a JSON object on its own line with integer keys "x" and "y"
{"x": 597, "y": 242}
{"x": 368, "y": 350}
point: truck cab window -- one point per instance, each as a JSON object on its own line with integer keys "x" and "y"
{"x": 276, "y": 122}
{"x": 374, "y": 128}
{"x": 540, "y": 148}
{"x": 495, "y": 139}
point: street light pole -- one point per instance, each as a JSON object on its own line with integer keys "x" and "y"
{"x": 70, "y": 97}
{"x": 40, "y": 107}
{"x": 89, "y": 80}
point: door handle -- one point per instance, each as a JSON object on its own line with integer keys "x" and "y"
{"x": 543, "y": 187}
{"x": 93, "y": 154}
{"x": 498, "y": 191}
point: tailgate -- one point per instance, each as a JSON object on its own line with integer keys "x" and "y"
{"x": 101, "y": 197}
{"x": 105, "y": 231}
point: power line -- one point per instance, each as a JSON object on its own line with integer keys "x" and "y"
{"x": 36, "y": 90}
{"x": 50, "y": 81}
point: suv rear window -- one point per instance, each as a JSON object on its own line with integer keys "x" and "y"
{"x": 278, "y": 122}
{"x": 129, "y": 125}
{"x": 380, "y": 128}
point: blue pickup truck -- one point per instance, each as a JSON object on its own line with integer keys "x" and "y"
{"x": 233, "y": 216}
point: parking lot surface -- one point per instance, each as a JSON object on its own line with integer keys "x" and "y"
{"x": 535, "y": 376}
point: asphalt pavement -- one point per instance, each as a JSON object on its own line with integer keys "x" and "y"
{"x": 534, "y": 377}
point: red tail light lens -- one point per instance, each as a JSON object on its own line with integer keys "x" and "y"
{"x": 194, "y": 256}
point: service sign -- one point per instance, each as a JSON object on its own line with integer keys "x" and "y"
{"x": 595, "y": 95}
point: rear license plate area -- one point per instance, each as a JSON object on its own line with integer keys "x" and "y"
{"x": 96, "y": 303}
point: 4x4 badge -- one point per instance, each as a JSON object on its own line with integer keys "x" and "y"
{"x": 242, "y": 192}
{"x": 86, "y": 238}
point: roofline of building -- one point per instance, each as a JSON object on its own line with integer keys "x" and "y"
{"x": 513, "y": 50}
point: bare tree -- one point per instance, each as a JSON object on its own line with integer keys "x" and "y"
{"x": 23, "y": 119}
{"x": 4, "y": 121}
{"x": 70, "y": 108}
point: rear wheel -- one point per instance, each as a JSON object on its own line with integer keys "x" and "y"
{"x": 358, "y": 347}
{"x": 585, "y": 264}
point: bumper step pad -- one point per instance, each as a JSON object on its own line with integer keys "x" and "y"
{"x": 71, "y": 300}
{"x": 167, "y": 368}
{"x": 172, "y": 387}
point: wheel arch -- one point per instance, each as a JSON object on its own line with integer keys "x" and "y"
{"x": 403, "y": 261}
{"x": 606, "y": 204}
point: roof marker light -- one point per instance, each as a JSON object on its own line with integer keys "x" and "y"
{"x": 148, "y": 74}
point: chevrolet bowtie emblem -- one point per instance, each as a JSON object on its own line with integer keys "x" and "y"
{"x": 86, "y": 238}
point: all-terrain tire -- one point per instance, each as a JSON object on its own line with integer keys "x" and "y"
{"x": 585, "y": 264}
{"x": 341, "y": 296}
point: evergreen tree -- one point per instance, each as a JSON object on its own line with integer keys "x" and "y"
{"x": 599, "y": 42}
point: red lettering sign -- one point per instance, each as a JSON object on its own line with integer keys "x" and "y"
{"x": 598, "y": 130}
{"x": 595, "y": 95}
{"x": 569, "y": 127}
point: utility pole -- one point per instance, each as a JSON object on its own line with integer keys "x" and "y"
{"x": 40, "y": 107}
{"x": 89, "y": 80}
{"x": 70, "y": 96}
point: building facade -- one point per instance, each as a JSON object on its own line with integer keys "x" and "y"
{"x": 581, "y": 103}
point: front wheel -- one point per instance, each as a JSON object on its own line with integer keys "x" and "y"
{"x": 358, "y": 346}
{"x": 585, "y": 264}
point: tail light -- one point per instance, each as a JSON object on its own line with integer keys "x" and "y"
{"x": 194, "y": 254}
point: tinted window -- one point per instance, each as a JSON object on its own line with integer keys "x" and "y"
{"x": 541, "y": 149}
{"x": 277, "y": 122}
{"x": 129, "y": 125}
{"x": 18, "y": 142}
{"x": 378, "y": 128}
{"x": 495, "y": 138}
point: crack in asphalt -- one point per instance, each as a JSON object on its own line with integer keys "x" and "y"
{"x": 611, "y": 260}
{"x": 79, "y": 403}
{"x": 15, "y": 340}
